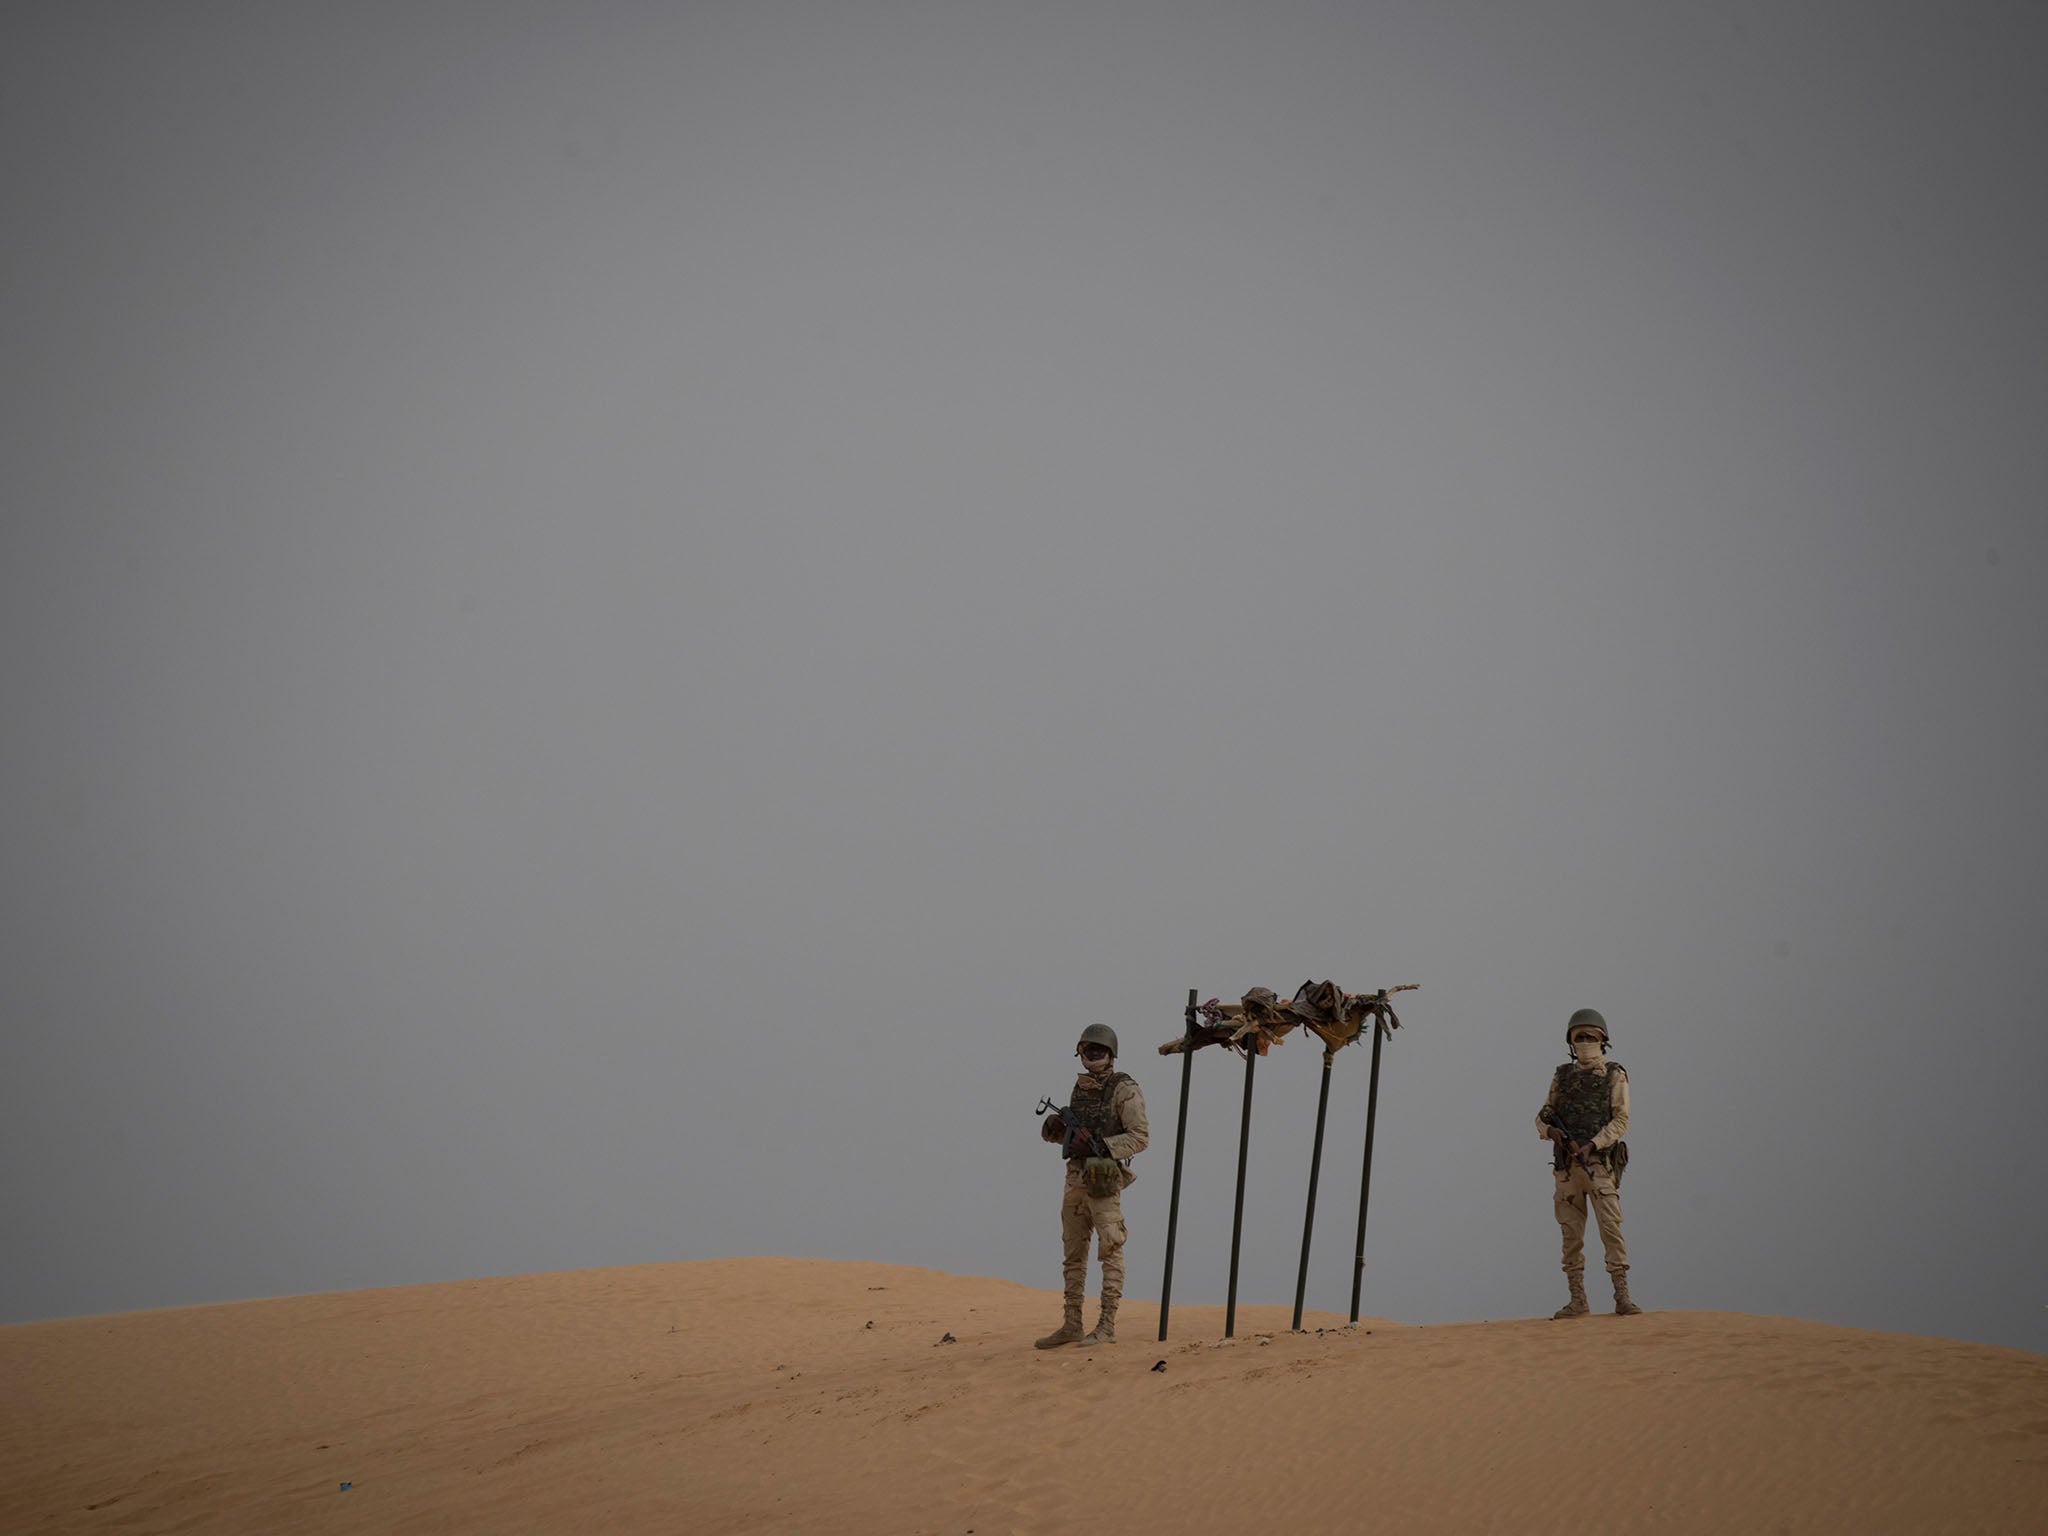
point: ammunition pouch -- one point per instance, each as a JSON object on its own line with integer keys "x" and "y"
{"x": 1102, "y": 1176}
{"x": 1615, "y": 1158}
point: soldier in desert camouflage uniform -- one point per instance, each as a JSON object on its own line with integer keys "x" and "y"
{"x": 1109, "y": 1129}
{"x": 1584, "y": 1117}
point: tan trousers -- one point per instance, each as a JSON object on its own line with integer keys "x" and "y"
{"x": 1574, "y": 1188}
{"x": 1080, "y": 1215}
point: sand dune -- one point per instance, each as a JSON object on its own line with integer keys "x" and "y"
{"x": 811, "y": 1396}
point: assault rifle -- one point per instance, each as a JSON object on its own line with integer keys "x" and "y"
{"x": 1070, "y": 1127}
{"x": 1566, "y": 1151}
{"x": 1102, "y": 1174}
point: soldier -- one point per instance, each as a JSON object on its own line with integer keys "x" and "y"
{"x": 1584, "y": 1117}
{"x": 1109, "y": 1129}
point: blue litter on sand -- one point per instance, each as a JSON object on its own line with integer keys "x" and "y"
{"x": 346, "y": 1486}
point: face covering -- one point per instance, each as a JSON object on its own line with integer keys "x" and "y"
{"x": 1587, "y": 1053}
{"x": 1098, "y": 1066}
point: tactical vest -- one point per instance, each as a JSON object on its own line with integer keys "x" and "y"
{"x": 1092, "y": 1107}
{"x": 1585, "y": 1100}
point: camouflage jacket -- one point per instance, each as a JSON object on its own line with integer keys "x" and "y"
{"x": 1617, "y": 1104}
{"x": 1127, "y": 1109}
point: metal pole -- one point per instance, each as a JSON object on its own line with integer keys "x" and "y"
{"x": 1244, "y": 1142}
{"x": 1315, "y": 1169}
{"x": 1180, "y": 1146}
{"x": 1372, "y": 1107}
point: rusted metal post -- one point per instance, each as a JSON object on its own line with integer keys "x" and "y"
{"x": 1180, "y": 1146}
{"x": 1244, "y": 1142}
{"x": 1315, "y": 1169}
{"x": 1372, "y": 1106}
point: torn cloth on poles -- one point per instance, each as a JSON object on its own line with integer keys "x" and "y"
{"x": 1262, "y": 1017}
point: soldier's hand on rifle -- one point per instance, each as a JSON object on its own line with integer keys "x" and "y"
{"x": 1083, "y": 1142}
{"x": 1556, "y": 1133}
{"x": 1051, "y": 1128}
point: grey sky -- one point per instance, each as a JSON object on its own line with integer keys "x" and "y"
{"x": 620, "y": 619}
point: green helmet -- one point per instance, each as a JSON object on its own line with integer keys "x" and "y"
{"x": 1587, "y": 1018}
{"x": 1097, "y": 1034}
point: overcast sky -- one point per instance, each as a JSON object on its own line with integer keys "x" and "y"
{"x": 620, "y": 619}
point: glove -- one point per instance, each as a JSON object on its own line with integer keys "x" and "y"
{"x": 1051, "y": 1129}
